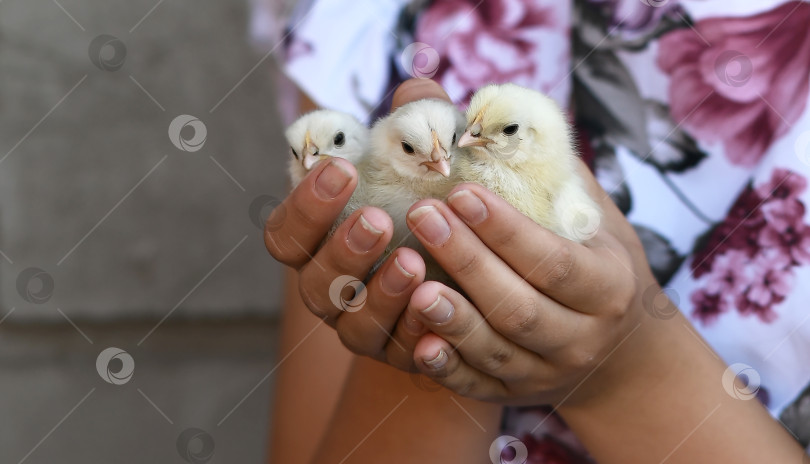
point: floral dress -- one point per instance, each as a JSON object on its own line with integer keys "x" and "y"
{"x": 694, "y": 116}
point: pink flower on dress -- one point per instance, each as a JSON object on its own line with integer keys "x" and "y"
{"x": 708, "y": 307}
{"x": 771, "y": 281}
{"x": 740, "y": 81}
{"x": 771, "y": 276}
{"x": 520, "y": 41}
{"x": 739, "y": 231}
{"x": 782, "y": 214}
{"x": 784, "y": 185}
{"x": 747, "y": 262}
{"x": 793, "y": 240}
{"x": 728, "y": 273}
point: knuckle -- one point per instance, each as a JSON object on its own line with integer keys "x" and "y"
{"x": 619, "y": 305}
{"x": 560, "y": 268}
{"x": 497, "y": 357}
{"x": 457, "y": 327}
{"x": 580, "y": 358}
{"x": 506, "y": 238}
{"x": 469, "y": 265}
{"x": 466, "y": 388}
{"x": 399, "y": 359}
{"x": 281, "y": 249}
{"x": 523, "y": 318}
{"x": 302, "y": 217}
{"x": 310, "y": 299}
{"x": 354, "y": 341}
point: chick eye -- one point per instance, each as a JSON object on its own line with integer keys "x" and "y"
{"x": 408, "y": 148}
{"x": 340, "y": 139}
{"x": 294, "y": 152}
{"x": 454, "y": 139}
{"x": 511, "y": 129}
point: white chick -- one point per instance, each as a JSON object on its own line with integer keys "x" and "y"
{"x": 321, "y": 134}
{"x": 409, "y": 159}
{"x": 519, "y": 146}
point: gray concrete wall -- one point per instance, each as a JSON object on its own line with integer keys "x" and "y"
{"x": 56, "y": 408}
{"x": 108, "y": 228}
{"x": 92, "y": 190}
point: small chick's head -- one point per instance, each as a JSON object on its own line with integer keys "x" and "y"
{"x": 418, "y": 139}
{"x": 508, "y": 122}
{"x": 321, "y": 134}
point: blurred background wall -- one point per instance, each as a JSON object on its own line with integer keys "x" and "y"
{"x": 140, "y": 149}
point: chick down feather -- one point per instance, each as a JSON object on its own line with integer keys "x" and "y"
{"x": 518, "y": 144}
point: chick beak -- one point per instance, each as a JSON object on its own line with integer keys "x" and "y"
{"x": 311, "y": 154}
{"x": 442, "y": 166}
{"x": 472, "y": 138}
{"x": 438, "y": 159}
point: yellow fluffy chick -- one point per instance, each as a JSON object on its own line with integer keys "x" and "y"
{"x": 519, "y": 146}
{"x": 409, "y": 159}
{"x": 321, "y": 134}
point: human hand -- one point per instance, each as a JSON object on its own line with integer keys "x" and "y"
{"x": 541, "y": 313}
{"x": 296, "y": 228}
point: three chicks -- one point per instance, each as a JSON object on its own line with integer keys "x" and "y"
{"x": 514, "y": 141}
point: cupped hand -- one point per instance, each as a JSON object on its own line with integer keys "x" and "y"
{"x": 296, "y": 229}
{"x": 541, "y": 313}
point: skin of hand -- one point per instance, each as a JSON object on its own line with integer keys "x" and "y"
{"x": 296, "y": 228}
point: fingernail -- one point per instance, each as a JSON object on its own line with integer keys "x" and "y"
{"x": 363, "y": 236}
{"x": 438, "y": 361}
{"x": 396, "y": 279}
{"x": 332, "y": 180}
{"x": 431, "y": 224}
{"x": 413, "y": 326}
{"x": 468, "y": 206}
{"x": 440, "y": 311}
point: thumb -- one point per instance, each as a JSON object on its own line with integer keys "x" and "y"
{"x": 417, "y": 89}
